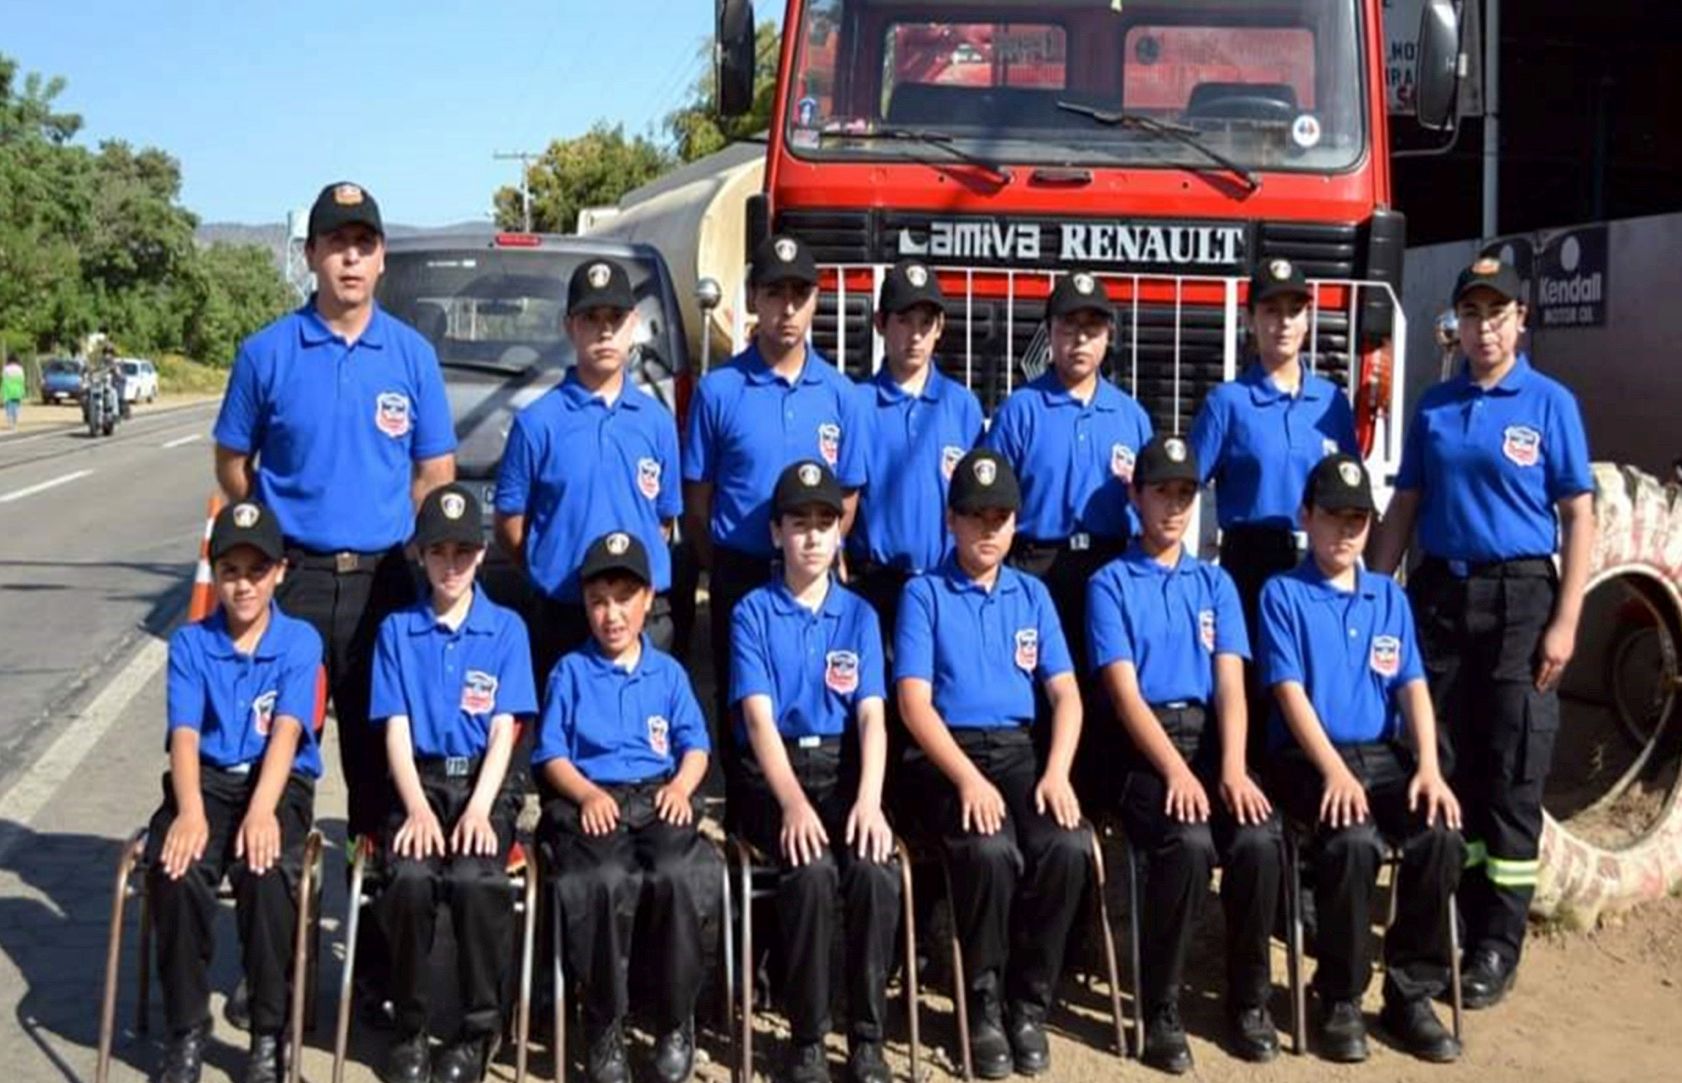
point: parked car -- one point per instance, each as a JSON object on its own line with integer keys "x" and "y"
{"x": 62, "y": 380}
{"x": 140, "y": 379}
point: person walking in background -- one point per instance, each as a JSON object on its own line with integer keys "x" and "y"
{"x": 11, "y": 389}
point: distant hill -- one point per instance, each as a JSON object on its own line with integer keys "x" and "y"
{"x": 272, "y": 235}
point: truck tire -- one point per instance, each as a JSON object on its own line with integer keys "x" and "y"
{"x": 1635, "y": 599}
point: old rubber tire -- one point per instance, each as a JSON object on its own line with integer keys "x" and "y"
{"x": 1639, "y": 535}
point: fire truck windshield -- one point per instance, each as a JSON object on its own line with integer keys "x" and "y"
{"x": 1275, "y": 85}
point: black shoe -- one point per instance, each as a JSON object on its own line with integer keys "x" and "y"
{"x": 606, "y": 1063}
{"x": 409, "y": 1060}
{"x": 372, "y": 1007}
{"x": 267, "y": 1061}
{"x": 1030, "y": 1051}
{"x": 807, "y": 1063}
{"x": 989, "y": 1049}
{"x": 1166, "y": 1049}
{"x": 1343, "y": 1032}
{"x": 674, "y": 1054}
{"x": 184, "y": 1056}
{"x": 865, "y": 1064}
{"x": 462, "y": 1061}
{"x": 237, "y": 1010}
{"x": 1415, "y": 1025}
{"x": 1254, "y": 1037}
{"x": 1485, "y": 978}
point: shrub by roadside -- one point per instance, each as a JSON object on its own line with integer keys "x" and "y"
{"x": 181, "y": 375}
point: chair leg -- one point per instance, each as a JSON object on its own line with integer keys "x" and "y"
{"x": 744, "y": 1065}
{"x": 1456, "y": 1006}
{"x": 1102, "y": 913}
{"x": 528, "y": 934}
{"x": 960, "y": 985}
{"x": 912, "y": 1005}
{"x": 1135, "y": 949}
{"x": 557, "y": 967}
{"x": 347, "y": 980}
{"x": 143, "y": 1003}
{"x": 1293, "y": 947}
{"x": 313, "y": 996}
{"x": 126, "y": 862}
{"x": 301, "y": 953}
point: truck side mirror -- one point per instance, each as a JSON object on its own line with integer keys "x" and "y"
{"x": 733, "y": 49}
{"x": 1436, "y": 78}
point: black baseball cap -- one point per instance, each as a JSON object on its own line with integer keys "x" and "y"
{"x": 908, "y": 284}
{"x": 804, "y": 483}
{"x": 1339, "y": 483}
{"x": 983, "y": 479}
{"x": 1275, "y": 278}
{"x": 246, "y": 523}
{"x": 344, "y": 204}
{"x": 450, "y": 513}
{"x": 781, "y": 258}
{"x": 1487, "y": 272}
{"x": 616, "y": 551}
{"x": 1165, "y": 458}
{"x": 1080, "y": 291}
{"x": 599, "y": 283}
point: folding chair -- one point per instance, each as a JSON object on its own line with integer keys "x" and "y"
{"x": 1293, "y": 940}
{"x": 755, "y": 876}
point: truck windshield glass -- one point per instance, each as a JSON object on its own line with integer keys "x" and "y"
{"x": 1274, "y": 85}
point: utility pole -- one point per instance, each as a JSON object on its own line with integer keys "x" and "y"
{"x": 524, "y": 157}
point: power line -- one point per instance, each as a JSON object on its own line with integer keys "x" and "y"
{"x": 525, "y": 158}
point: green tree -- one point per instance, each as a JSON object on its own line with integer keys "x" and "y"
{"x": 590, "y": 170}
{"x": 235, "y": 290}
{"x": 697, "y": 131}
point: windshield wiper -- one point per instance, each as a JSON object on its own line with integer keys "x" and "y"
{"x": 944, "y": 140}
{"x": 492, "y": 367}
{"x": 1180, "y": 133}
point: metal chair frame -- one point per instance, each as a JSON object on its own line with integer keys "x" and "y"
{"x": 130, "y": 882}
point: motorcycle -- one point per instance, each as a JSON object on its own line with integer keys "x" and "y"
{"x": 101, "y": 404}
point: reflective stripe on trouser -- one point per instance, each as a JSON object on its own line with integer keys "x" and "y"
{"x": 1479, "y": 638}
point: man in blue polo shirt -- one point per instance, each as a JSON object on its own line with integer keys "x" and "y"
{"x": 452, "y": 681}
{"x": 806, "y": 672}
{"x": 1338, "y": 651}
{"x": 919, "y": 424}
{"x": 335, "y": 417}
{"x": 621, "y": 750}
{"x": 1495, "y": 469}
{"x": 239, "y": 795}
{"x": 976, "y": 640}
{"x": 593, "y": 455}
{"x": 1168, "y": 642}
{"x": 776, "y": 402}
{"x": 1072, "y": 437}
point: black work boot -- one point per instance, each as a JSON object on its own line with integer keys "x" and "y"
{"x": 989, "y": 1049}
{"x": 1166, "y": 1048}
{"x": 409, "y": 1060}
{"x": 267, "y": 1061}
{"x": 184, "y": 1056}
{"x": 865, "y": 1064}
{"x": 1343, "y": 1032}
{"x": 1028, "y": 1047}
{"x": 674, "y": 1054}
{"x": 1485, "y": 979}
{"x": 1253, "y": 1034}
{"x": 605, "y": 1062}
{"x": 462, "y": 1061}
{"x": 807, "y": 1063}
{"x": 1415, "y": 1025}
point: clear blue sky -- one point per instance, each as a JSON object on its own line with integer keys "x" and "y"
{"x": 262, "y": 101}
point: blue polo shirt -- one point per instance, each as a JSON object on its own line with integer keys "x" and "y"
{"x": 577, "y": 468}
{"x": 1074, "y": 460}
{"x": 913, "y": 442}
{"x": 1352, "y": 651}
{"x": 337, "y": 427}
{"x": 817, "y": 667}
{"x": 1489, "y": 466}
{"x": 981, "y": 650}
{"x": 450, "y": 685}
{"x": 1168, "y": 622}
{"x": 1259, "y": 444}
{"x": 232, "y": 699}
{"x": 619, "y": 725}
{"x": 747, "y": 424}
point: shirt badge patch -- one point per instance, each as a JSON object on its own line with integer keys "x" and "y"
{"x": 262, "y": 713}
{"x": 391, "y": 413}
{"x": 1206, "y": 629}
{"x": 1522, "y": 444}
{"x": 829, "y": 442}
{"x": 1121, "y": 462}
{"x": 949, "y": 458}
{"x": 659, "y": 735}
{"x": 648, "y": 477}
{"x": 1027, "y": 649}
{"x": 841, "y": 672}
{"x": 478, "y": 692}
{"x": 1386, "y": 655}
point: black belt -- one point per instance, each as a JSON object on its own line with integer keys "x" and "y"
{"x": 1255, "y": 535}
{"x": 342, "y": 562}
{"x": 448, "y": 766}
{"x": 1079, "y": 542}
{"x": 1518, "y": 568}
{"x": 811, "y": 741}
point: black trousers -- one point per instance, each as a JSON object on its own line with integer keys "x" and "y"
{"x": 1479, "y": 637}
{"x": 732, "y": 576}
{"x": 481, "y": 911}
{"x": 558, "y": 628}
{"x": 1416, "y": 946}
{"x": 184, "y": 910}
{"x": 648, "y": 883}
{"x": 1065, "y": 573}
{"x": 1015, "y": 893}
{"x": 1252, "y": 555}
{"x": 1180, "y": 858}
{"x": 346, "y": 609}
{"x": 807, "y": 894}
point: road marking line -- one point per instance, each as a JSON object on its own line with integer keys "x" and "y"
{"x": 44, "y": 486}
{"x": 21, "y": 804}
{"x": 189, "y": 438}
